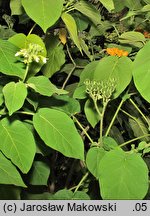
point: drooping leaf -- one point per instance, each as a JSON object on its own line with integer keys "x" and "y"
{"x": 42, "y": 85}
{"x": 18, "y": 144}
{"x": 93, "y": 158}
{"x": 141, "y": 72}
{"x": 15, "y": 95}
{"x": 88, "y": 10}
{"x": 139, "y": 128}
{"x": 133, "y": 38}
{"x": 108, "y": 4}
{"x": 72, "y": 28}
{"x": 8, "y": 62}
{"x": 57, "y": 130}
{"x": 55, "y": 56}
{"x": 85, "y": 48}
{"x": 45, "y": 13}
{"x": 91, "y": 113}
{"x": 81, "y": 21}
{"x": 8, "y": 173}
{"x": 40, "y": 173}
{"x": 16, "y": 7}
{"x": 123, "y": 176}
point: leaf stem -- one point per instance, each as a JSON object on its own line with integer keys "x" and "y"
{"x": 82, "y": 180}
{"x": 26, "y": 72}
{"x": 114, "y": 117}
{"x": 136, "y": 107}
{"x": 31, "y": 29}
{"x": 97, "y": 109}
{"x": 72, "y": 70}
{"x": 132, "y": 140}
{"x": 68, "y": 77}
{"x": 70, "y": 56}
{"x": 129, "y": 115}
{"x": 25, "y": 113}
{"x": 101, "y": 124}
{"x": 85, "y": 132}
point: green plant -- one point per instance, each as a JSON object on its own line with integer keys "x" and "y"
{"x": 74, "y": 99}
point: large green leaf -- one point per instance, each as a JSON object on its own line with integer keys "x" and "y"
{"x": 39, "y": 174}
{"x": 93, "y": 158}
{"x": 114, "y": 67}
{"x": 88, "y": 10}
{"x": 44, "y": 12}
{"x": 9, "y": 173}
{"x": 17, "y": 144}
{"x": 58, "y": 131}
{"x": 123, "y": 176}
{"x": 8, "y": 61}
{"x": 15, "y": 95}
{"x": 55, "y": 55}
{"x": 141, "y": 71}
{"x": 42, "y": 85}
{"x": 72, "y": 28}
{"x": 108, "y": 4}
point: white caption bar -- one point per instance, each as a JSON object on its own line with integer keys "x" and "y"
{"x": 73, "y": 208}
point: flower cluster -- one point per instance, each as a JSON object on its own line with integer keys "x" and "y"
{"x": 116, "y": 52}
{"x": 32, "y": 53}
{"x": 100, "y": 89}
